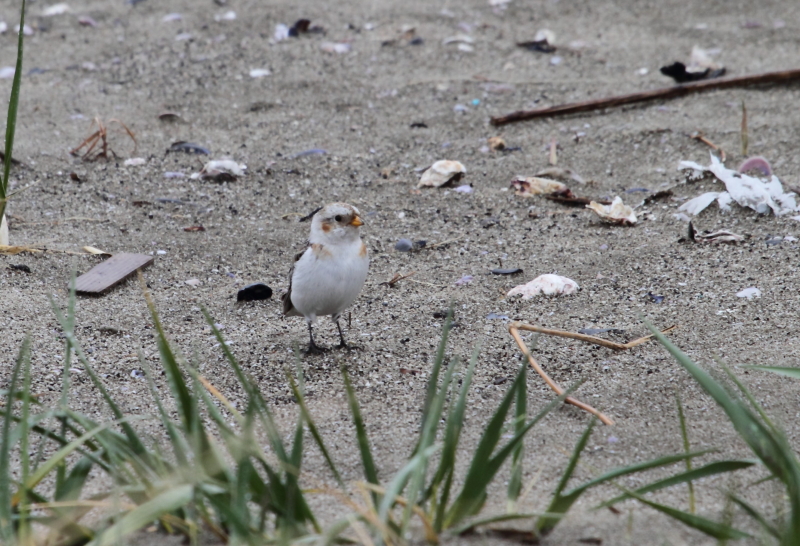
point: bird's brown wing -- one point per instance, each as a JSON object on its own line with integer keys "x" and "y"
{"x": 288, "y": 308}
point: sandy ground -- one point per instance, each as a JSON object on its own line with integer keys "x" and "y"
{"x": 358, "y": 107}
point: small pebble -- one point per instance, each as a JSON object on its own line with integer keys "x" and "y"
{"x": 404, "y": 245}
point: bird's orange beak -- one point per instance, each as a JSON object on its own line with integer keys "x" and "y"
{"x": 356, "y": 221}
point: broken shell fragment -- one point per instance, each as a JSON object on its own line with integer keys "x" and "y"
{"x": 549, "y": 285}
{"x": 496, "y": 143}
{"x": 442, "y": 172}
{"x": 749, "y": 293}
{"x": 221, "y": 170}
{"x": 533, "y": 185}
{"x": 616, "y": 213}
{"x": 756, "y": 163}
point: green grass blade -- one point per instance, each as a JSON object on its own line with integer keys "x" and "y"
{"x": 720, "y": 531}
{"x": 794, "y": 373}
{"x": 370, "y": 473}
{"x": 443, "y": 479}
{"x": 162, "y": 504}
{"x": 23, "y": 525}
{"x": 765, "y": 441}
{"x": 6, "y": 524}
{"x": 484, "y": 466}
{"x": 187, "y": 408}
{"x": 437, "y": 365}
{"x": 686, "y": 449}
{"x": 711, "y": 469}
{"x": 50, "y": 464}
{"x": 515, "y": 481}
{"x": 756, "y": 515}
{"x": 474, "y": 524}
{"x": 11, "y": 116}
{"x": 312, "y": 428}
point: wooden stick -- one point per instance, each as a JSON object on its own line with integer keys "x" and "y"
{"x": 663, "y": 93}
{"x": 512, "y": 329}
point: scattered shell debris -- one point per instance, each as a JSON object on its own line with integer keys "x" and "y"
{"x": 616, "y": 213}
{"x": 533, "y": 185}
{"x": 548, "y": 284}
{"x": 748, "y": 191}
{"x": 441, "y": 173}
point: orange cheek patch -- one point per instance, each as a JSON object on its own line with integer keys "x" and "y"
{"x": 363, "y": 251}
{"x": 326, "y": 227}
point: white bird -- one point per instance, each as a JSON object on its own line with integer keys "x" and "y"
{"x": 328, "y": 276}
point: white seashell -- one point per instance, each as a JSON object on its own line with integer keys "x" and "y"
{"x": 330, "y": 47}
{"x": 549, "y": 285}
{"x": 135, "y": 162}
{"x": 219, "y": 166}
{"x": 617, "y": 212}
{"x": 3, "y": 27}
{"x": 749, "y": 293}
{"x": 459, "y": 39}
{"x": 259, "y": 72}
{"x": 168, "y": 18}
{"x": 441, "y": 173}
{"x": 7, "y": 72}
{"x": 55, "y": 9}
{"x": 533, "y": 185}
{"x": 281, "y": 32}
{"x": 227, "y": 16}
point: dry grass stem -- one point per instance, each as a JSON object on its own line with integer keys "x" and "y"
{"x": 514, "y": 329}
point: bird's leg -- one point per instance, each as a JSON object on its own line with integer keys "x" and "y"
{"x": 313, "y": 348}
{"x": 342, "y": 343}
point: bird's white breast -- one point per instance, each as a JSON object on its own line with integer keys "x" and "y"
{"x": 328, "y": 278}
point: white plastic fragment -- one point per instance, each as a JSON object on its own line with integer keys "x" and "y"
{"x": 55, "y": 9}
{"x": 749, "y": 293}
{"x": 441, "y": 173}
{"x": 548, "y": 284}
{"x": 534, "y": 185}
{"x": 748, "y": 191}
{"x": 259, "y": 72}
{"x": 616, "y": 213}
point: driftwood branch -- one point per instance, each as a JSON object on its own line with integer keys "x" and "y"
{"x": 642, "y": 96}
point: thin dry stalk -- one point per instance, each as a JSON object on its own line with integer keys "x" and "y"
{"x": 100, "y": 136}
{"x": 698, "y": 135}
{"x": 514, "y": 329}
{"x": 744, "y": 130}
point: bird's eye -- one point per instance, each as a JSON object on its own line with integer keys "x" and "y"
{"x": 338, "y": 217}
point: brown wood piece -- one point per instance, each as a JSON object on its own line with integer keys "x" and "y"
{"x": 783, "y": 76}
{"x": 112, "y": 271}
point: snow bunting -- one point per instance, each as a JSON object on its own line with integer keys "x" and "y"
{"x": 328, "y": 276}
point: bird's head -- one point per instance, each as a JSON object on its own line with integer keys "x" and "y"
{"x": 335, "y": 222}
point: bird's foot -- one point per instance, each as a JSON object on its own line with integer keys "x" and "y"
{"x": 314, "y": 349}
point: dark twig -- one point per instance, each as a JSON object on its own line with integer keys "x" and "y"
{"x": 783, "y": 76}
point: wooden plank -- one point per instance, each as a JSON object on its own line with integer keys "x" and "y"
{"x": 112, "y": 271}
